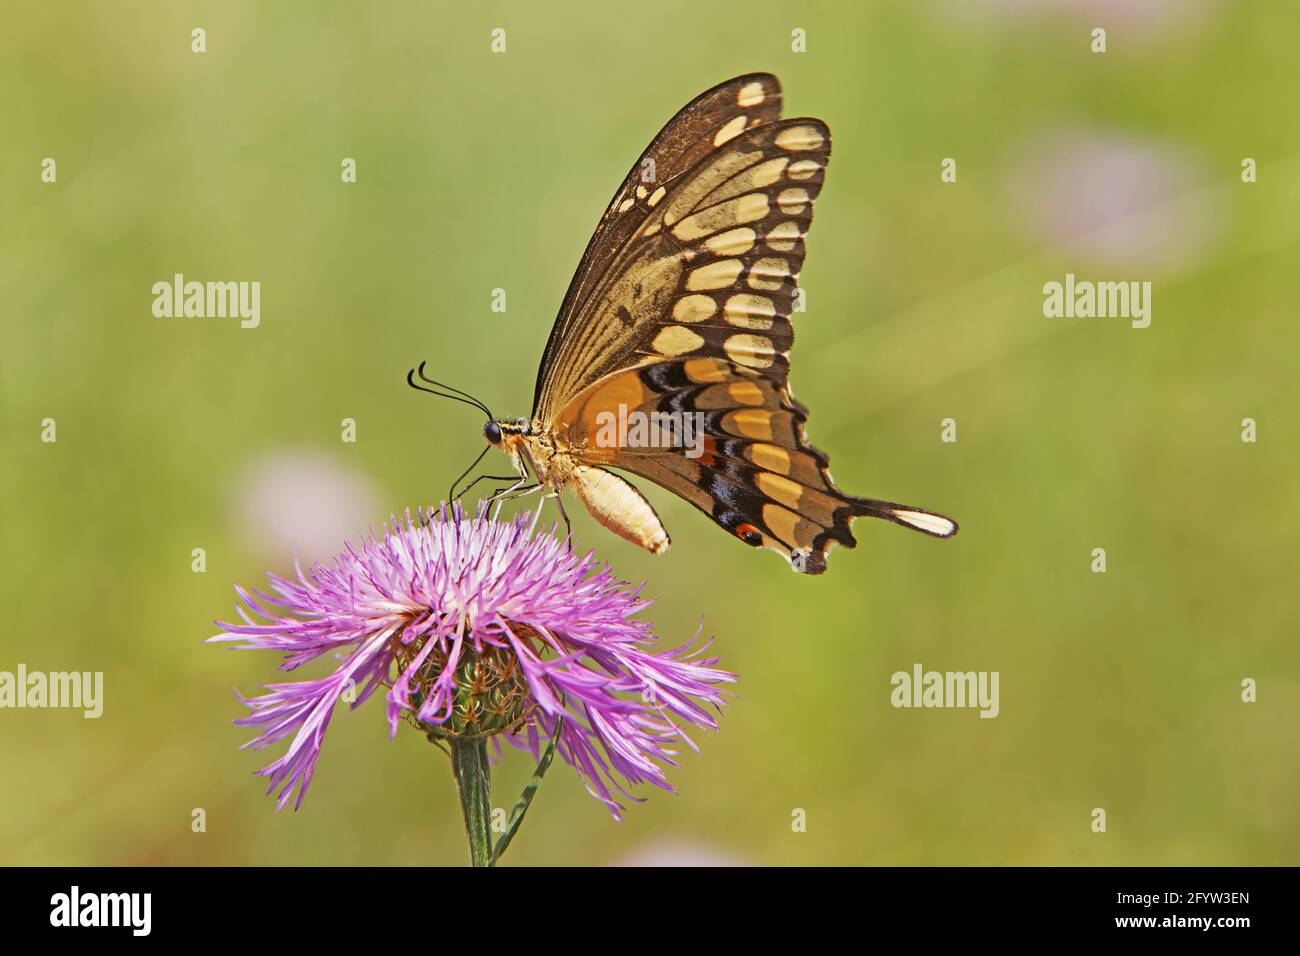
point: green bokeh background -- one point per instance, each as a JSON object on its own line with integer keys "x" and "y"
{"x": 1118, "y": 690}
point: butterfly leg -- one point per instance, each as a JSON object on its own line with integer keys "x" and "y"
{"x": 464, "y": 491}
{"x": 520, "y": 480}
{"x": 559, "y": 503}
{"x": 499, "y": 493}
{"x": 517, "y": 490}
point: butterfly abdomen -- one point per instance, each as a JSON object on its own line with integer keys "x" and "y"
{"x": 618, "y": 506}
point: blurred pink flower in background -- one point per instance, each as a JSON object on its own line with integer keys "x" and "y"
{"x": 1111, "y": 198}
{"x": 680, "y": 853}
{"x": 301, "y": 503}
{"x": 1147, "y": 17}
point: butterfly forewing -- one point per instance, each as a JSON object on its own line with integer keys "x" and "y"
{"x": 737, "y": 228}
{"x": 698, "y": 130}
{"x": 712, "y": 268}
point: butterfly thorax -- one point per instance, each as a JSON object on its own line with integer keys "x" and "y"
{"x": 558, "y": 464}
{"x": 528, "y": 445}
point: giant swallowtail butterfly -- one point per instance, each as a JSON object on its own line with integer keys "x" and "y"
{"x": 679, "y": 315}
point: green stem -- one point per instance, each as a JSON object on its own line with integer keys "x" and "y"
{"x": 530, "y": 791}
{"x": 469, "y": 762}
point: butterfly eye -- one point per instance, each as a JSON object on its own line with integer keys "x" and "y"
{"x": 492, "y": 432}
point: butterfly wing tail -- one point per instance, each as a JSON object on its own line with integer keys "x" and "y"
{"x": 918, "y": 519}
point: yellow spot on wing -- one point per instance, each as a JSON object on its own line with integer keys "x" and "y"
{"x": 676, "y": 340}
{"x": 732, "y": 243}
{"x": 771, "y": 457}
{"x": 792, "y": 201}
{"x": 783, "y": 236}
{"x": 750, "y": 423}
{"x": 779, "y": 488}
{"x": 748, "y": 208}
{"x": 804, "y": 169}
{"x": 768, "y": 274}
{"x": 759, "y": 176}
{"x": 765, "y": 174}
{"x": 731, "y": 130}
{"x": 716, "y": 275}
{"x": 705, "y": 371}
{"x": 751, "y": 94}
{"x": 725, "y": 165}
{"x": 693, "y": 308}
{"x": 799, "y": 138}
{"x": 784, "y": 524}
{"x": 748, "y": 311}
{"x": 745, "y": 393}
{"x": 754, "y": 351}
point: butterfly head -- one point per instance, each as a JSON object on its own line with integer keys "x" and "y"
{"x": 506, "y": 434}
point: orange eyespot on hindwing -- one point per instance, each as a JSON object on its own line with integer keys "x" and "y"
{"x": 749, "y": 534}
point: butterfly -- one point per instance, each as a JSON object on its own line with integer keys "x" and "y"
{"x": 669, "y": 356}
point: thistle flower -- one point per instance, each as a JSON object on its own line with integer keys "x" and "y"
{"x": 477, "y": 628}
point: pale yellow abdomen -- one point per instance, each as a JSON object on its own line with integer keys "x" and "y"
{"x": 619, "y": 507}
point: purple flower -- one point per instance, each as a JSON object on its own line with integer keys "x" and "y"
{"x": 477, "y": 627}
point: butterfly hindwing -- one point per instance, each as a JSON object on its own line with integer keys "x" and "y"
{"x": 743, "y": 458}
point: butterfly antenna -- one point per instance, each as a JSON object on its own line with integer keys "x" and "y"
{"x": 456, "y": 395}
{"x": 465, "y": 396}
{"x": 410, "y": 380}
